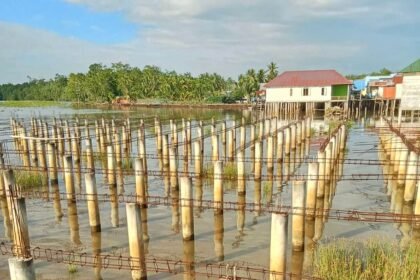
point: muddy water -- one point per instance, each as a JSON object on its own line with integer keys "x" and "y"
{"x": 234, "y": 237}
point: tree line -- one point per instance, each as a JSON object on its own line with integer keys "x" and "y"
{"x": 103, "y": 84}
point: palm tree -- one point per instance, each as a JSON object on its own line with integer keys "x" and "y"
{"x": 272, "y": 71}
{"x": 261, "y": 76}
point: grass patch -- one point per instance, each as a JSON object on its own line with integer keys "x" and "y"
{"x": 100, "y": 157}
{"x": 72, "y": 269}
{"x": 267, "y": 190}
{"x": 371, "y": 259}
{"x": 127, "y": 164}
{"x": 29, "y": 180}
{"x": 30, "y": 103}
{"x": 230, "y": 171}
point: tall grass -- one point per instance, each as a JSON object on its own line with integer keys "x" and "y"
{"x": 30, "y": 180}
{"x": 372, "y": 259}
{"x": 230, "y": 170}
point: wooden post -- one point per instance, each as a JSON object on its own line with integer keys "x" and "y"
{"x": 21, "y": 267}
{"x": 92, "y": 203}
{"x": 135, "y": 240}
{"x": 298, "y": 219}
{"x": 278, "y": 246}
{"x": 187, "y": 217}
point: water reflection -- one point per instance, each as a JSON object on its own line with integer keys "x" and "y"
{"x": 218, "y": 236}
{"x": 96, "y": 250}
{"x": 189, "y": 255}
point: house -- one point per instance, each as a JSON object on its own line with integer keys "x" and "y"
{"x": 385, "y": 88}
{"x": 410, "y": 87}
{"x": 362, "y": 86}
{"x": 308, "y": 86}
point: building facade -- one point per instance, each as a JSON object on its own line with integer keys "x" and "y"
{"x": 308, "y": 86}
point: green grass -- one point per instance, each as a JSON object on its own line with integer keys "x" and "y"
{"x": 30, "y": 103}
{"x": 72, "y": 269}
{"x": 230, "y": 171}
{"x": 127, "y": 164}
{"x": 267, "y": 189}
{"x": 29, "y": 180}
{"x": 371, "y": 259}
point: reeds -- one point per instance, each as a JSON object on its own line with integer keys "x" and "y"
{"x": 372, "y": 259}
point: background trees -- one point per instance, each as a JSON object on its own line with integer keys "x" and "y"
{"x": 104, "y": 83}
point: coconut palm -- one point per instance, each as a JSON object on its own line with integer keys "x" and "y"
{"x": 271, "y": 71}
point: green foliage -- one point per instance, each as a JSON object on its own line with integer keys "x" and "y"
{"x": 72, "y": 268}
{"x": 372, "y": 259}
{"x": 230, "y": 171}
{"x": 127, "y": 164}
{"x": 102, "y": 84}
{"x": 267, "y": 189}
{"x": 30, "y": 180}
{"x": 24, "y": 103}
{"x": 381, "y": 72}
{"x": 271, "y": 71}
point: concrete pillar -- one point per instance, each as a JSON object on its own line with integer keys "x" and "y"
{"x": 187, "y": 217}
{"x": 135, "y": 240}
{"x": 298, "y": 219}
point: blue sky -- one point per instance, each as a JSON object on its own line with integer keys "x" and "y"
{"x": 69, "y": 20}
{"x": 43, "y": 37}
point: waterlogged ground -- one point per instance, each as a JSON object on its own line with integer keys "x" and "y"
{"x": 245, "y": 237}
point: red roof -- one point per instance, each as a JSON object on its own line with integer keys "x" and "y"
{"x": 308, "y": 78}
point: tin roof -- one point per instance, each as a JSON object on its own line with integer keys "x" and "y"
{"x": 413, "y": 67}
{"x": 308, "y": 78}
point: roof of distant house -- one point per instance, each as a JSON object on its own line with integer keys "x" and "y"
{"x": 413, "y": 67}
{"x": 308, "y": 78}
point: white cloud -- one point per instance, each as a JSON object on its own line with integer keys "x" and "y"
{"x": 221, "y": 36}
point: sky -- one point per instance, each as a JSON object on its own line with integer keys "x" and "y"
{"x": 39, "y": 38}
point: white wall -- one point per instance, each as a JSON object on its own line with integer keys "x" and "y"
{"x": 410, "y": 97}
{"x": 398, "y": 91}
{"x": 283, "y": 94}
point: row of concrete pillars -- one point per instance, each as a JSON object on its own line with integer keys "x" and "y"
{"x": 311, "y": 200}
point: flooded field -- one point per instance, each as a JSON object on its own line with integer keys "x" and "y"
{"x": 197, "y": 221}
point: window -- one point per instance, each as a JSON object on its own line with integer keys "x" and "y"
{"x": 291, "y": 92}
{"x": 322, "y": 91}
{"x": 305, "y": 92}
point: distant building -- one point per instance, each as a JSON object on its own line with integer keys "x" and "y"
{"x": 410, "y": 88}
{"x": 308, "y": 86}
{"x": 386, "y": 88}
{"x": 362, "y": 86}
